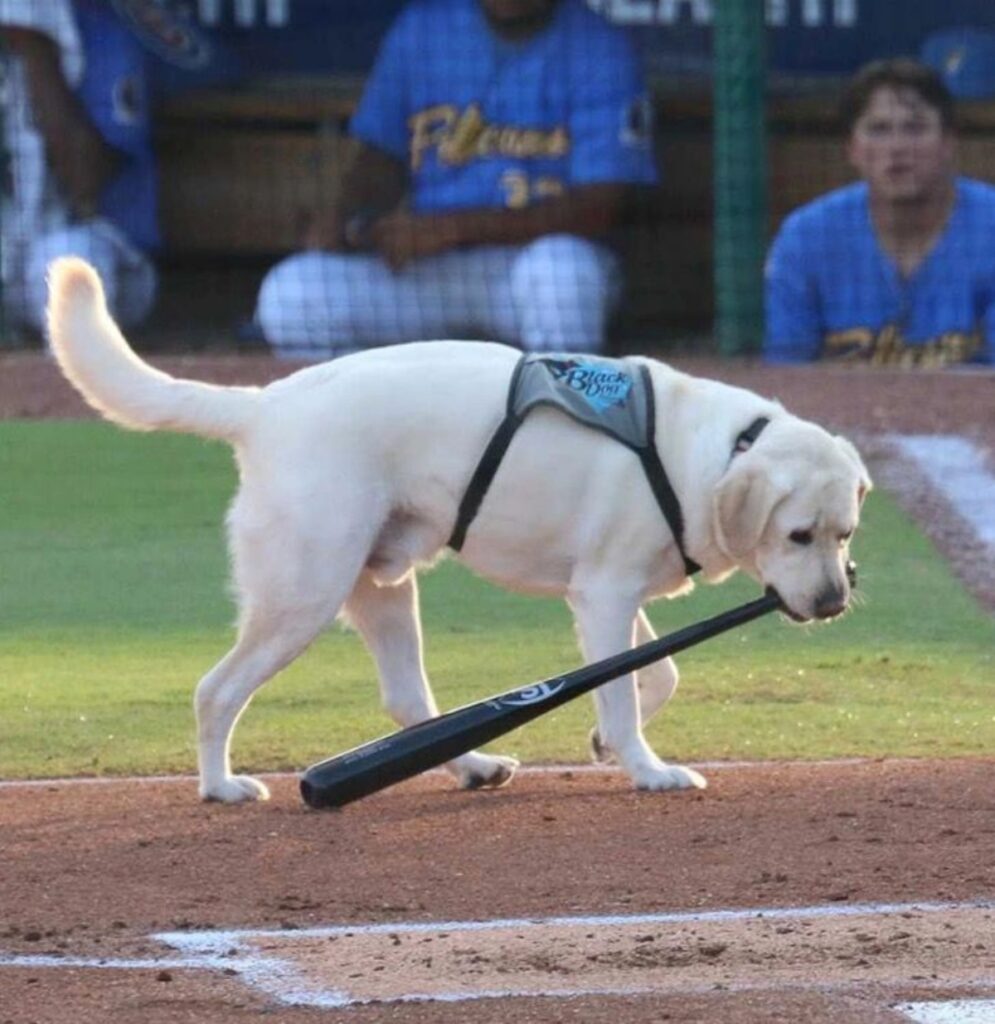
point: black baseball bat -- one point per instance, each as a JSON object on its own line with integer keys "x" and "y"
{"x": 400, "y": 755}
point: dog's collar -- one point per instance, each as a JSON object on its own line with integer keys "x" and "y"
{"x": 745, "y": 438}
{"x": 744, "y": 441}
{"x": 664, "y": 492}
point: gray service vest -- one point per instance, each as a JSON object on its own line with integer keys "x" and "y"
{"x": 614, "y": 396}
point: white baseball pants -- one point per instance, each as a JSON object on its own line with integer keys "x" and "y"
{"x": 554, "y": 294}
{"x": 129, "y": 276}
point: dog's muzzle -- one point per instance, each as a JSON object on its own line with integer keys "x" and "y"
{"x": 850, "y": 569}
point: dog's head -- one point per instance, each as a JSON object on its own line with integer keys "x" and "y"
{"x": 785, "y": 512}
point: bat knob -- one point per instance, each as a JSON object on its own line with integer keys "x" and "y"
{"x": 851, "y": 572}
{"x": 316, "y": 797}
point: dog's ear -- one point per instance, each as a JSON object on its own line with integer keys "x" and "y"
{"x": 744, "y": 500}
{"x": 866, "y": 485}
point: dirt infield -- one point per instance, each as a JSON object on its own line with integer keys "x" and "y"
{"x": 91, "y": 871}
{"x": 820, "y": 893}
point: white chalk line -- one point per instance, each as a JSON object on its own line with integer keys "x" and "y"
{"x": 22, "y": 960}
{"x": 958, "y": 1011}
{"x": 538, "y": 769}
{"x": 274, "y": 976}
{"x": 212, "y": 940}
{"x": 956, "y": 467}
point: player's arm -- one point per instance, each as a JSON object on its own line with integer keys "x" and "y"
{"x": 588, "y": 211}
{"x": 376, "y": 177}
{"x": 80, "y": 158}
{"x": 374, "y": 183}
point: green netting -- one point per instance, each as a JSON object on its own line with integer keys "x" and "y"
{"x": 740, "y": 173}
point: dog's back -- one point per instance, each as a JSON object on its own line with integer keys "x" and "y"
{"x": 443, "y": 388}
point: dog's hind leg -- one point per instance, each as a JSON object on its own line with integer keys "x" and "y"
{"x": 657, "y": 683}
{"x": 290, "y": 590}
{"x": 265, "y": 645}
{"x": 387, "y": 618}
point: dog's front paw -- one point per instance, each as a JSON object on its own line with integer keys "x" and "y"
{"x": 483, "y": 771}
{"x": 235, "y": 789}
{"x": 668, "y": 776}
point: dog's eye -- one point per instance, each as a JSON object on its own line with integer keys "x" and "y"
{"x": 844, "y": 537}
{"x": 800, "y": 537}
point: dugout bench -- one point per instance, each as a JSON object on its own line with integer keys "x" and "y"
{"x": 240, "y": 168}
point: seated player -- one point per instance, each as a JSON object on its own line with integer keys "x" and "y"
{"x": 496, "y": 141}
{"x": 81, "y": 175}
{"x": 900, "y": 267}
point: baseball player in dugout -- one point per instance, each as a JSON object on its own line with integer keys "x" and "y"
{"x": 80, "y": 176}
{"x": 898, "y": 268}
{"x": 496, "y": 143}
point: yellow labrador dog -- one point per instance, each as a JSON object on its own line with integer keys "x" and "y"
{"x": 352, "y": 473}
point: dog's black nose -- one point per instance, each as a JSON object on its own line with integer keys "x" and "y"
{"x": 831, "y": 602}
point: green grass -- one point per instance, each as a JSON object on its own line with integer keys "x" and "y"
{"x": 113, "y": 603}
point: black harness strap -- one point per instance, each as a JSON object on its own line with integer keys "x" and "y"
{"x": 659, "y": 482}
{"x": 488, "y": 465}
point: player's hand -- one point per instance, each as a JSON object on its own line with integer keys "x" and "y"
{"x": 401, "y": 236}
{"x": 323, "y": 229}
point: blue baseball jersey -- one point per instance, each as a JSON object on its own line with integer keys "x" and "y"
{"x": 113, "y": 91}
{"x": 481, "y": 121}
{"x": 832, "y": 291}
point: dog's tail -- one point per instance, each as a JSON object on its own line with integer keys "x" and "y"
{"x": 98, "y": 361}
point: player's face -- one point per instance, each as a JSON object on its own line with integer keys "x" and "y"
{"x": 516, "y": 18}
{"x": 899, "y": 146}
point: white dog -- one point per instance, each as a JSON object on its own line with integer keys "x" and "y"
{"x": 352, "y": 473}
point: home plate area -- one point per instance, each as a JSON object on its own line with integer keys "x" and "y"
{"x": 843, "y": 947}
{"x": 848, "y": 892}
{"x": 929, "y": 963}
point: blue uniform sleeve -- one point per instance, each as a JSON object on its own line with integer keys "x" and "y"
{"x": 794, "y": 329}
{"x": 381, "y": 119}
{"x": 611, "y": 119}
{"x": 980, "y": 222}
{"x": 114, "y": 91}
